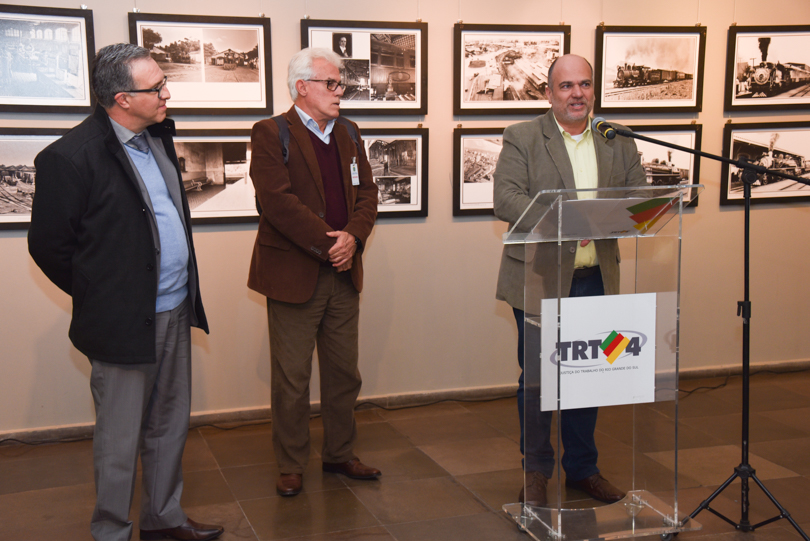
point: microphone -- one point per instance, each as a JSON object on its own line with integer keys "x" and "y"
{"x": 600, "y": 124}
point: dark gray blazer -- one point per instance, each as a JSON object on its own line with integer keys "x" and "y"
{"x": 533, "y": 159}
{"x": 91, "y": 234}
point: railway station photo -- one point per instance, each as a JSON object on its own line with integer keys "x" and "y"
{"x": 507, "y": 67}
{"x": 771, "y": 68}
{"x": 787, "y": 151}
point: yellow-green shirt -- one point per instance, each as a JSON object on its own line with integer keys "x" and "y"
{"x": 582, "y": 155}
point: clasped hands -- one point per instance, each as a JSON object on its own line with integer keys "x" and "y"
{"x": 341, "y": 254}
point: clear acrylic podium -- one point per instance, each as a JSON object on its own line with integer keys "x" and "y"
{"x": 636, "y": 431}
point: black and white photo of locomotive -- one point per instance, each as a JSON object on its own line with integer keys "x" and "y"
{"x": 628, "y": 75}
{"x": 764, "y": 78}
{"x": 766, "y": 151}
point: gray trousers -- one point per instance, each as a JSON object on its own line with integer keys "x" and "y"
{"x": 329, "y": 319}
{"x": 142, "y": 409}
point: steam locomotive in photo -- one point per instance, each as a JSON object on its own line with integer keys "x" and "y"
{"x": 770, "y": 79}
{"x": 632, "y": 75}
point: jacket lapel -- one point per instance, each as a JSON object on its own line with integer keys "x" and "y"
{"x": 556, "y": 149}
{"x": 345, "y": 150}
{"x": 300, "y": 133}
{"x": 604, "y": 159}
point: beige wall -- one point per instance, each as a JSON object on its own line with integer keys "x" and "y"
{"x": 429, "y": 320}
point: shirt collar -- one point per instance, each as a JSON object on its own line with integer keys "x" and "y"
{"x": 123, "y": 134}
{"x": 312, "y": 126}
{"x": 584, "y": 135}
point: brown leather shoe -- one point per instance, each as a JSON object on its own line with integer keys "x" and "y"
{"x": 598, "y": 488}
{"x": 354, "y": 469}
{"x": 188, "y": 531}
{"x": 289, "y": 484}
{"x": 536, "y": 487}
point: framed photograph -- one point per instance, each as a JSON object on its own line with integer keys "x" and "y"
{"x": 475, "y": 154}
{"x": 657, "y": 68}
{"x": 783, "y": 146}
{"x": 45, "y": 58}
{"x": 215, "y": 165}
{"x": 215, "y": 65}
{"x": 768, "y": 67}
{"x": 666, "y": 166}
{"x": 18, "y": 148}
{"x": 504, "y": 68}
{"x": 399, "y": 163}
{"x": 384, "y": 66}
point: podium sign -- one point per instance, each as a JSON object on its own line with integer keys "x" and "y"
{"x": 606, "y": 352}
{"x": 617, "y": 352}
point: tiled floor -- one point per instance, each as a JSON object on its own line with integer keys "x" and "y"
{"x": 447, "y": 471}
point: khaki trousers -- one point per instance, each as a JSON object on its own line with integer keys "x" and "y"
{"x": 329, "y": 320}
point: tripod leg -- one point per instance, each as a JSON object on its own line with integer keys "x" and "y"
{"x": 707, "y": 501}
{"x": 783, "y": 513}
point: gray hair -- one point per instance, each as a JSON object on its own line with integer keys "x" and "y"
{"x": 112, "y": 71}
{"x": 300, "y": 68}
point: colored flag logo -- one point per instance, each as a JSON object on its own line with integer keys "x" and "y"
{"x": 647, "y": 213}
{"x": 614, "y": 345}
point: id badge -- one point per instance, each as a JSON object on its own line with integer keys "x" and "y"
{"x": 355, "y": 173}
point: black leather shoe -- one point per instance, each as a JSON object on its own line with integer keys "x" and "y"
{"x": 534, "y": 493}
{"x": 354, "y": 469}
{"x": 188, "y": 531}
{"x": 598, "y": 488}
{"x": 289, "y": 484}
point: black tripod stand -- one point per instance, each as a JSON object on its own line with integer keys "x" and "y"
{"x": 744, "y": 471}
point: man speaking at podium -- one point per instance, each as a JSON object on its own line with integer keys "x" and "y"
{"x": 557, "y": 151}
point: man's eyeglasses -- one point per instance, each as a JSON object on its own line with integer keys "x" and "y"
{"x": 157, "y": 90}
{"x": 331, "y": 84}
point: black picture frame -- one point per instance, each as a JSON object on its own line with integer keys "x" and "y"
{"x": 483, "y": 62}
{"x": 211, "y": 89}
{"x": 45, "y": 59}
{"x": 475, "y": 154}
{"x": 789, "y": 151}
{"x": 215, "y": 169}
{"x": 644, "y": 69}
{"x": 408, "y": 147}
{"x": 669, "y": 167}
{"x": 18, "y": 148}
{"x": 772, "y": 75}
{"x": 386, "y": 75}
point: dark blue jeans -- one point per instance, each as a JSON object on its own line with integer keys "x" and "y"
{"x": 578, "y": 425}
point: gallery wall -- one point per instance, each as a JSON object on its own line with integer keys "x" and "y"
{"x": 429, "y": 319}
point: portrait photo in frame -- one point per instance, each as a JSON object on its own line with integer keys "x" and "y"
{"x": 504, "y": 68}
{"x": 399, "y": 163}
{"x": 654, "y": 68}
{"x": 215, "y": 65}
{"x": 767, "y": 68}
{"x": 475, "y": 154}
{"x": 215, "y": 166}
{"x": 783, "y": 146}
{"x": 45, "y": 59}
{"x": 18, "y": 148}
{"x": 669, "y": 167}
{"x": 384, "y": 66}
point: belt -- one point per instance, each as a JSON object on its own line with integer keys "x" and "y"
{"x": 586, "y": 272}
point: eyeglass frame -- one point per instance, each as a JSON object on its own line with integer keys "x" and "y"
{"x": 328, "y": 82}
{"x": 157, "y": 90}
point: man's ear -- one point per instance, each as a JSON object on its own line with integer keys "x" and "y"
{"x": 122, "y": 99}
{"x": 300, "y": 86}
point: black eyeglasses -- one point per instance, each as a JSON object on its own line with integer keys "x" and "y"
{"x": 157, "y": 90}
{"x": 331, "y": 84}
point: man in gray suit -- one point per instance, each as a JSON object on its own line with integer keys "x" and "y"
{"x": 110, "y": 227}
{"x": 552, "y": 152}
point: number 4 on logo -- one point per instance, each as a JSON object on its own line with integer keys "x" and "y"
{"x": 634, "y": 346}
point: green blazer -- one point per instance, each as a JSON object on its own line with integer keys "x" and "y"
{"x": 533, "y": 159}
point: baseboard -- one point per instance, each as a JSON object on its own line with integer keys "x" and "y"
{"x": 254, "y": 415}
